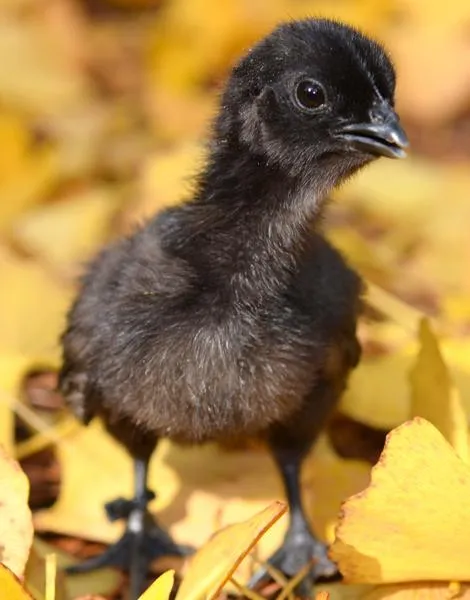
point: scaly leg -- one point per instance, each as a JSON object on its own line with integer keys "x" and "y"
{"x": 290, "y": 443}
{"x": 143, "y": 540}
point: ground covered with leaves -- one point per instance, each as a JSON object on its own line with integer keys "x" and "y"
{"x": 104, "y": 105}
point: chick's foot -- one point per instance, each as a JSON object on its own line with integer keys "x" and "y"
{"x": 300, "y": 548}
{"x": 143, "y": 541}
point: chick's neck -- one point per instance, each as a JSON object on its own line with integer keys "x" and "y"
{"x": 251, "y": 219}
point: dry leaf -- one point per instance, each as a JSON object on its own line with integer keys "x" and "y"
{"x": 212, "y": 566}
{"x": 410, "y": 523}
{"x": 426, "y": 29}
{"x": 160, "y": 588}
{"x": 418, "y": 591}
{"x": 369, "y": 401}
{"x": 33, "y": 304}
{"x": 167, "y": 179}
{"x": 402, "y": 591}
{"x": 11, "y": 587}
{"x": 71, "y": 231}
{"x": 47, "y": 79}
{"x": 16, "y": 527}
{"x": 434, "y": 396}
{"x": 101, "y": 582}
{"x": 26, "y": 174}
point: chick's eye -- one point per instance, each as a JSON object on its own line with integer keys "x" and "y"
{"x": 310, "y": 94}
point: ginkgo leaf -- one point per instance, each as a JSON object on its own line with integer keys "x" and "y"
{"x": 434, "y": 396}
{"x": 215, "y": 562}
{"x": 418, "y": 591}
{"x": 46, "y": 79}
{"x": 167, "y": 179}
{"x": 160, "y": 588}
{"x": 428, "y": 590}
{"x": 410, "y": 524}
{"x": 427, "y": 28}
{"x": 16, "y": 526}
{"x": 369, "y": 401}
{"x": 71, "y": 232}
{"x": 25, "y": 175}
{"x": 10, "y": 586}
{"x": 33, "y": 304}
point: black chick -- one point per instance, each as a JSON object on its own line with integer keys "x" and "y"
{"x": 231, "y": 314}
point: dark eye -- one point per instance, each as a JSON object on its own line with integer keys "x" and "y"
{"x": 310, "y": 94}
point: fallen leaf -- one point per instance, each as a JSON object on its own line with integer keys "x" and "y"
{"x": 434, "y": 396}
{"x": 47, "y": 78}
{"x": 402, "y": 591}
{"x": 369, "y": 401}
{"x": 103, "y": 581}
{"x": 166, "y": 180}
{"x": 16, "y": 527}
{"x": 212, "y": 566}
{"x": 35, "y": 576}
{"x": 418, "y": 591}
{"x": 160, "y": 588}
{"x": 33, "y": 305}
{"x": 27, "y": 172}
{"x": 409, "y": 524}
{"x": 425, "y": 29}
{"x": 11, "y": 587}
{"x": 69, "y": 232}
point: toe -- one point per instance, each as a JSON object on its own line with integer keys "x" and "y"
{"x": 323, "y": 567}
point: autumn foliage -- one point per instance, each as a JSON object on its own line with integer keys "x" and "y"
{"x": 104, "y": 107}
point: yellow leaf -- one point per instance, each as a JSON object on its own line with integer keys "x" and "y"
{"x": 166, "y": 181}
{"x": 10, "y": 586}
{"x": 428, "y": 30}
{"x": 26, "y": 174}
{"x": 418, "y": 591}
{"x": 417, "y": 184}
{"x": 68, "y": 232}
{"x": 33, "y": 304}
{"x": 392, "y": 307}
{"x": 16, "y": 527}
{"x": 46, "y": 79}
{"x": 434, "y": 396}
{"x": 6, "y": 425}
{"x": 100, "y": 583}
{"x": 14, "y": 135}
{"x": 369, "y": 401}
{"x": 160, "y": 588}
{"x": 213, "y": 564}
{"x": 410, "y": 524}
{"x": 88, "y": 453}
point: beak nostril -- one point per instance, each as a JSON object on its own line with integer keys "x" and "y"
{"x": 376, "y": 117}
{"x": 381, "y": 113}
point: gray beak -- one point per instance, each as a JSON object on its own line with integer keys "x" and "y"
{"x": 382, "y": 136}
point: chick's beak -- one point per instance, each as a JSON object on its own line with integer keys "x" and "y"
{"x": 382, "y": 135}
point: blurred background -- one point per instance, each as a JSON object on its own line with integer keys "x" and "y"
{"x": 104, "y": 107}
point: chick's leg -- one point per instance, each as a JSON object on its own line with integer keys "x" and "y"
{"x": 143, "y": 540}
{"x": 290, "y": 442}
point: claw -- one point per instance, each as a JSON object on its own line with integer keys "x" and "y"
{"x": 292, "y": 557}
{"x": 142, "y": 542}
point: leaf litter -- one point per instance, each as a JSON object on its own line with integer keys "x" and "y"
{"x": 102, "y": 125}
